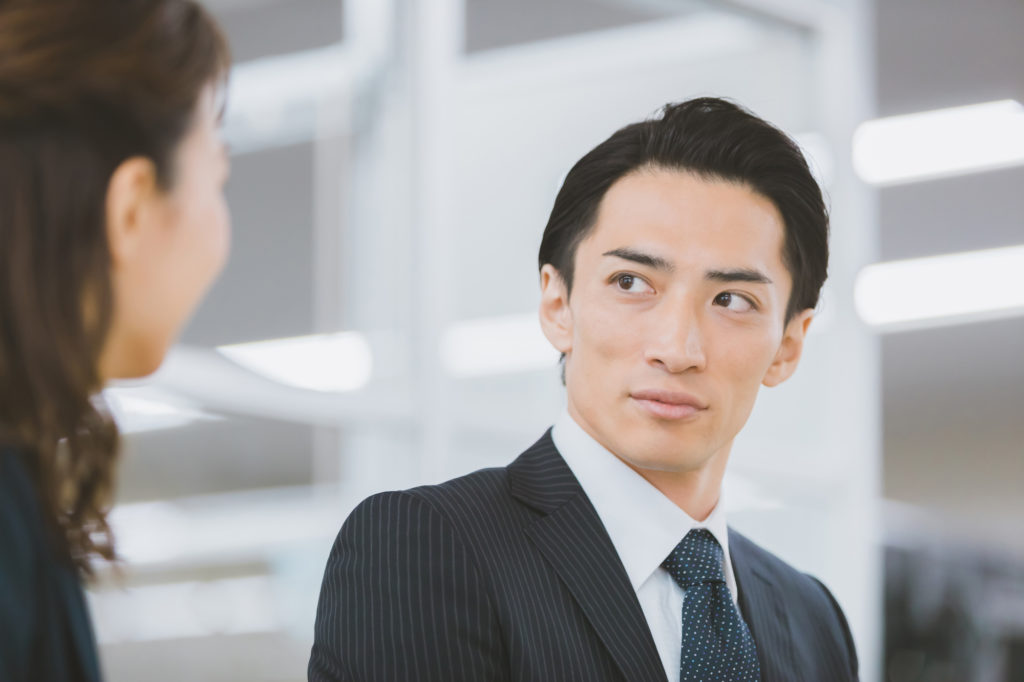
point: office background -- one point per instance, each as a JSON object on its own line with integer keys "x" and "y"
{"x": 393, "y": 165}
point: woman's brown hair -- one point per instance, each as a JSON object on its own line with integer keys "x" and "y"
{"x": 84, "y": 86}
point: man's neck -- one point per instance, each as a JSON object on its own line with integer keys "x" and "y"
{"x": 695, "y": 491}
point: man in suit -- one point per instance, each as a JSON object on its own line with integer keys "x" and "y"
{"x": 679, "y": 272}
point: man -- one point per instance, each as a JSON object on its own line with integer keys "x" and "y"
{"x": 679, "y": 272}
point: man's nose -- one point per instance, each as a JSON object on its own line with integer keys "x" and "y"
{"x": 676, "y": 343}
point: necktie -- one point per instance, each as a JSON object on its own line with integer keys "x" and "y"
{"x": 717, "y": 646}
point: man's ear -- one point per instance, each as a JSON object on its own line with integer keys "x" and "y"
{"x": 790, "y": 350}
{"x": 130, "y": 194}
{"x": 555, "y": 316}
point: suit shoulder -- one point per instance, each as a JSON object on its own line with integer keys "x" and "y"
{"x": 806, "y": 597}
{"x": 793, "y": 580}
{"x": 464, "y": 497}
{"x": 401, "y": 553}
{"x": 454, "y": 501}
{"x": 800, "y": 588}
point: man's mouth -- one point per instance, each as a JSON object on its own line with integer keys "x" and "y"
{"x": 669, "y": 404}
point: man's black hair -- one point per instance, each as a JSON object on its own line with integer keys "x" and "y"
{"x": 715, "y": 140}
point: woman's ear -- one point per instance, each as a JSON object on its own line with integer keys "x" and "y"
{"x": 555, "y": 315}
{"x": 790, "y": 350}
{"x": 130, "y": 194}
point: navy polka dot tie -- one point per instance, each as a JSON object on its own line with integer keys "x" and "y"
{"x": 717, "y": 646}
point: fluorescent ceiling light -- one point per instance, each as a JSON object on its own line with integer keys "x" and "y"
{"x": 941, "y": 143}
{"x": 226, "y": 527}
{"x": 140, "y": 409}
{"x": 950, "y": 289}
{"x": 330, "y": 363}
{"x": 496, "y": 345}
{"x": 150, "y": 532}
{"x": 147, "y": 613}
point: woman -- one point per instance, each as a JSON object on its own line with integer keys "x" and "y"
{"x": 112, "y": 226}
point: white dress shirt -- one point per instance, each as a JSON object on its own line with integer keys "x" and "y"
{"x": 645, "y": 526}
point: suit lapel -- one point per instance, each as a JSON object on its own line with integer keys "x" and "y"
{"x": 572, "y": 538}
{"x": 763, "y": 610}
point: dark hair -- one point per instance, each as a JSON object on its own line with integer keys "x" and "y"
{"x": 714, "y": 139}
{"x": 84, "y": 86}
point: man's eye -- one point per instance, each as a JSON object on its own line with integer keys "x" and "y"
{"x": 631, "y": 283}
{"x": 733, "y": 302}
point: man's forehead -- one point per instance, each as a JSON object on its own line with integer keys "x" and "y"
{"x": 666, "y": 219}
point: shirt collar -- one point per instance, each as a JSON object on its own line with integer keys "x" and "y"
{"x": 644, "y": 525}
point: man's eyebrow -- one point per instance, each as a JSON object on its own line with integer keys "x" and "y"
{"x": 642, "y": 258}
{"x": 737, "y": 275}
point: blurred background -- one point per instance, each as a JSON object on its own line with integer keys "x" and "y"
{"x": 394, "y": 162}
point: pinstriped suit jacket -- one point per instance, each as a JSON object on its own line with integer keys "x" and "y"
{"x": 508, "y": 574}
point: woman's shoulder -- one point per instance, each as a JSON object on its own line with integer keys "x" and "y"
{"x": 22, "y": 528}
{"x": 44, "y": 627}
{"x": 21, "y": 560}
{"x": 21, "y": 521}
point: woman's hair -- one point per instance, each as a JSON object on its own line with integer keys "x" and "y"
{"x": 84, "y": 86}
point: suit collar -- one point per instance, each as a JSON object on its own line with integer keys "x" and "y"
{"x": 763, "y": 610}
{"x": 571, "y": 537}
{"x": 540, "y": 478}
{"x": 644, "y": 524}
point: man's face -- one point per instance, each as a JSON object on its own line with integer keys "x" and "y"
{"x": 675, "y": 319}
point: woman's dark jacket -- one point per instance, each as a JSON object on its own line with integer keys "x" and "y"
{"x": 45, "y": 633}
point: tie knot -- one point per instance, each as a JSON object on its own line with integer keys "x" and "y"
{"x": 695, "y": 560}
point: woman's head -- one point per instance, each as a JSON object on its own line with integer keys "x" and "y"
{"x": 112, "y": 222}
{"x": 166, "y": 244}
